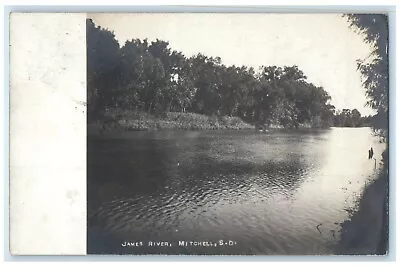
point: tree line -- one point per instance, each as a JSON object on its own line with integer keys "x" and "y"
{"x": 150, "y": 77}
{"x": 352, "y": 118}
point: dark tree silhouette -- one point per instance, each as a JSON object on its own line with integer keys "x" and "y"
{"x": 153, "y": 78}
{"x": 375, "y": 68}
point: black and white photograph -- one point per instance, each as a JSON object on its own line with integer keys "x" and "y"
{"x": 237, "y": 133}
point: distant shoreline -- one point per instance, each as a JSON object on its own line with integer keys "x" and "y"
{"x": 176, "y": 121}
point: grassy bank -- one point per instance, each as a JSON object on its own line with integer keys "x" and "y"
{"x": 366, "y": 232}
{"x": 127, "y": 120}
{"x": 130, "y": 121}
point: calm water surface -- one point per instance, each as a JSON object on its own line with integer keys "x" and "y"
{"x": 266, "y": 192}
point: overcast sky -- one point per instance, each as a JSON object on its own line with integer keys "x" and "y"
{"x": 321, "y": 45}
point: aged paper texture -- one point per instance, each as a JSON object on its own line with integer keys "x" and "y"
{"x": 47, "y": 134}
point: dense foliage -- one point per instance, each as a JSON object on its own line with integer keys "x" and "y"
{"x": 150, "y": 77}
{"x": 351, "y": 118}
{"x": 375, "y": 68}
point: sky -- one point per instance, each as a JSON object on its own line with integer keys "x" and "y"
{"x": 321, "y": 45}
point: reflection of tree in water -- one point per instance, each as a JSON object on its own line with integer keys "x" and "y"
{"x": 134, "y": 166}
{"x": 138, "y": 185}
{"x": 119, "y": 170}
{"x": 148, "y": 166}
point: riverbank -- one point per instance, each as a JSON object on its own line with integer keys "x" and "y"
{"x": 121, "y": 120}
{"x": 169, "y": 121}
{"x": 366, "y": 232}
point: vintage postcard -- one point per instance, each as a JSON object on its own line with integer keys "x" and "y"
{"x": 200, "y": 134}
{"x": 237, "y": 134}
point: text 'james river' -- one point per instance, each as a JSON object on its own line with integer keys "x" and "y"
{"x": 179, "y": 243}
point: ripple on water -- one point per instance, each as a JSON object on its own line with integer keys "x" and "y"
{"x": 267, "y": 194}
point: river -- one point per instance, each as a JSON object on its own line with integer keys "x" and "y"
{"x": 283, "y": 192}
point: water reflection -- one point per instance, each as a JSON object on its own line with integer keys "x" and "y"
{"x": 256, "y": 189}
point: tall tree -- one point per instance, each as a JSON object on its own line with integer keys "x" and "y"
{"x": 102, "y": 63}
{"x": 375, "y": 68}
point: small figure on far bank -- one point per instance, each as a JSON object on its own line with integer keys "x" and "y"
{"x": 370, "y": 153}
